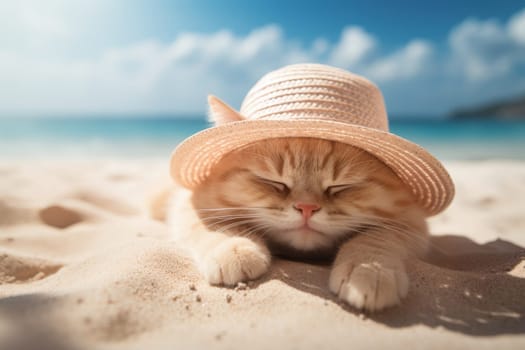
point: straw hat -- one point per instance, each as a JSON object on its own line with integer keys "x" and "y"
{"x": 312, "y": 100}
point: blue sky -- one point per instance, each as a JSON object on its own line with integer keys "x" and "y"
{"x": 158, "y": 56}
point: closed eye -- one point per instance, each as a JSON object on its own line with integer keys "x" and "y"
{"x": 279, "y": 186}
{"x": 333, "y": 190}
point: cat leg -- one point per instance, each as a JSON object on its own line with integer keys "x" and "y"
{"x": 369, "y": 271}
{"x": 224, "y": 259}
{"x": 228, "y": 260}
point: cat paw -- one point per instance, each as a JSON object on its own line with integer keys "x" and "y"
{"x": 236, "y": 260}
{"x": 369, "y": 286}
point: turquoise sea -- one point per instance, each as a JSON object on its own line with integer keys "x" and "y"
{"x": 137, "y": 137}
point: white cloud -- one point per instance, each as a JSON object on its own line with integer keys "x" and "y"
{"x": 516, "y": 27}
{"x": 355, "y": 44}
{"x": 487, "y": 49}
{"x": 408, "y": 62}
{"x": 176, "y": 76}
{"x": 149, "y": 75}
{"x": 319, "y": 47}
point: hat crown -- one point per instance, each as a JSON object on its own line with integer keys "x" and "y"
{"x": 314, "y": 101}
{"x": 317, "y": 92}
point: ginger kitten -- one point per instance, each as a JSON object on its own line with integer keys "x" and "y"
{"x": 303, "y": 197}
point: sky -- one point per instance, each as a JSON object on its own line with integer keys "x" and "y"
{"x": 69, "y": 58}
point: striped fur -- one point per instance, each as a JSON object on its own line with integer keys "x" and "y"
{"x": 246, "y": 210}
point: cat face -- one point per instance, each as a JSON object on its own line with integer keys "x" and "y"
{"x": 300, "y": 194}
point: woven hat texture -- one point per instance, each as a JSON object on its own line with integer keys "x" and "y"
{"x": 312, "y": 100}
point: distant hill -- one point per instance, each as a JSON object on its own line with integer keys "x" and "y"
{"x": 512, "y": 109}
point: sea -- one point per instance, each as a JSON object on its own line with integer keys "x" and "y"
{"x": 141, "y": 137}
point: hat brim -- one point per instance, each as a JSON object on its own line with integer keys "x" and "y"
{"x": 193, "y": 160}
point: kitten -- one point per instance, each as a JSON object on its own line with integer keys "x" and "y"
{"x": 303, "y": 197}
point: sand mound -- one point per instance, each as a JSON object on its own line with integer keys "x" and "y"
{"x": 16, "y": 269}
{"x": 59, "y": 216}
{"x": 83, "y": 267}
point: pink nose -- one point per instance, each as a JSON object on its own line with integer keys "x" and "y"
{"x": 308, "y": 209}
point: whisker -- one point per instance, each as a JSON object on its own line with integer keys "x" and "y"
{"x": 226, "y": 219}
{"x": 230, "y": 216}
{"x": 230, "y": 208}
{"x": 407, "y": 232}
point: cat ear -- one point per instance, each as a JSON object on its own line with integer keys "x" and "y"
{"x": 220, "y": 113}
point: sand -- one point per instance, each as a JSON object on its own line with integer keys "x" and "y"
{"x": 83, "y": 267}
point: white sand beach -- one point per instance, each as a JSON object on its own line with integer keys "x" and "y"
{"x": 82, "y": 266}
